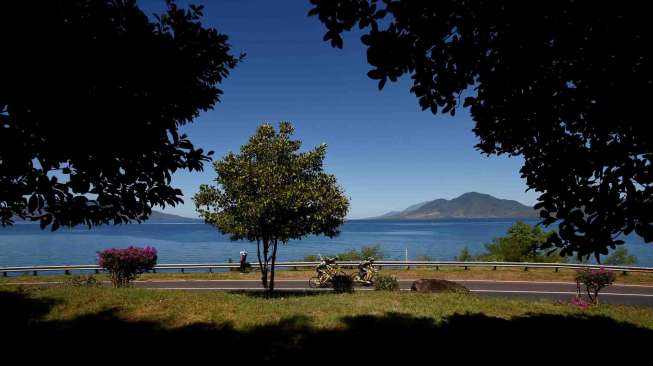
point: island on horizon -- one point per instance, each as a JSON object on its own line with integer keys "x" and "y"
{"x": 470, "y": 205}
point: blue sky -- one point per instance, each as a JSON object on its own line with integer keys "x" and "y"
{"x": 386, "y": 152}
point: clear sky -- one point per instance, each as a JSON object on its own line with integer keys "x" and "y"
{"x": 386, "y": 152}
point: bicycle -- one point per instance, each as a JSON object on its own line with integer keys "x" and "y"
{"x": 367, "y": 273}
{"x": 326, "y": 270}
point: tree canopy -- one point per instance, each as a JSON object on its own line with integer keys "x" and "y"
{"x": 92, "y": 96}
{"x": 563, "y": 84}
{"x": 270, "y": 192}
{"x": 522, "y": 243}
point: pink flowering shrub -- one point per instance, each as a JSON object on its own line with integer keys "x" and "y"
{"x": 125, "y": 264}
{"x": 594, "y": 280}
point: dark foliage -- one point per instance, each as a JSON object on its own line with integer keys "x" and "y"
{"x": 91, "y": 99}
{"x": 342, "y": 283}
{"x": 564, "y": 84}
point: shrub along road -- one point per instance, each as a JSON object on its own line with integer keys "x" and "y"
{"x": 616, "y": 294}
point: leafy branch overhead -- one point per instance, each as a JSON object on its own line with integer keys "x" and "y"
{"x": 91, "y": 99}
{"x": 563, "y": 84}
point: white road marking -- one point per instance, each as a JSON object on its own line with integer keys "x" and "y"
{"x": 558, "y": 292}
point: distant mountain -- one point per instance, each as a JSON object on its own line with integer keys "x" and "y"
{"x": 160, "y": 217}
{"x": 470, "y": 205}
{"x": 155, "y": 217}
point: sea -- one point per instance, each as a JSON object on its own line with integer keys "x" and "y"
{"x": 27, "y": 244}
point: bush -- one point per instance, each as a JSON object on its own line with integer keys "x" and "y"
{"x": 365, "y": 252}
{"x": 124, "y": 265}
{"x": 342, "y": 283}
{"x": 465, "y": 255}
{"x": 523, "y": 243}
{"x": 594, "y": 280}
{"x": 82, "y": 281}
{"x": 311, "y": 258}
{"x": 386, "y": 283}
{"x": 620, "y": 257}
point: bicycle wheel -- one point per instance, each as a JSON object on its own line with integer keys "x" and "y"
{"x": 355, "y": 277}
{"x": 314, "y": 282}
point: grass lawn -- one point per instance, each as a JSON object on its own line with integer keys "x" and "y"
{"x": 301, "y": 326}
{"x": 501, "y": 274}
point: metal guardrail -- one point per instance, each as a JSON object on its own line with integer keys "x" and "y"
{"x": 295, "y": 265}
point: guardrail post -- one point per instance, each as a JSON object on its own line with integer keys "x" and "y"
{"x": 210, "y": 270}
{"x": 182, "y": 270}
{"x": 67, "y": 272}
{"x": 525, "y": 269}
{"x": 557, "y": 269}
{"x": 97, "y": 271}
{"x": 437, "y": 268}
{"x": 33, "y": 273}
{"x": 466, "y": 268}
{"x": 4, "y": 274}
{"x": 625, "y": 273}
{"x": 494, "y": 268}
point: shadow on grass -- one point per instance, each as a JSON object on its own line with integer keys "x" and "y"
{"x": 105, "y": 336}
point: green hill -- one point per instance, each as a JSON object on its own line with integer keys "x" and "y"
{"x": 470, "y": 205}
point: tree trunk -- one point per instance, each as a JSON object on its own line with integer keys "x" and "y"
{"x": 260, "y": 264}
{"x": 274, "y": 260}
{"x": 263, "y": 264}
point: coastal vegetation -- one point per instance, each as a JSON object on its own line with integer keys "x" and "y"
{"x": 270, "y": 193}
{"x": 527, "y": 243}
{"x": 522, "y": 243}
{"x": 620, "y": 257}
{"x": 366, "y": 251}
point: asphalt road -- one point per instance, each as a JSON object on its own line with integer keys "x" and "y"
{"x": 615, "y": 294}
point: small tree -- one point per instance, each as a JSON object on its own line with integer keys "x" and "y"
{"x": 271, "y": 193}
{"x": 523, "y": 243}
{"x": 594, "y": 280}
{"x": 125, "y": 264}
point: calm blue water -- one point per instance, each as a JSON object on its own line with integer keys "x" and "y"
{"x": 192, "y": 243}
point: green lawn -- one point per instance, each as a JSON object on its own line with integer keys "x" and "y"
{"x": 301, "y": 326}
{"x": 179, "y": 308}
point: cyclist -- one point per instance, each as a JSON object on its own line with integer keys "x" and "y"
{"x": 326, "y": 263}
{"x": 365, "y": 269}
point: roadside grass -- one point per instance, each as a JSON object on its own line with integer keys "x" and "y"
{"x": 104, "y": 323}
{"x": 500, "y": 274}
{"x": 174, "y": 309}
